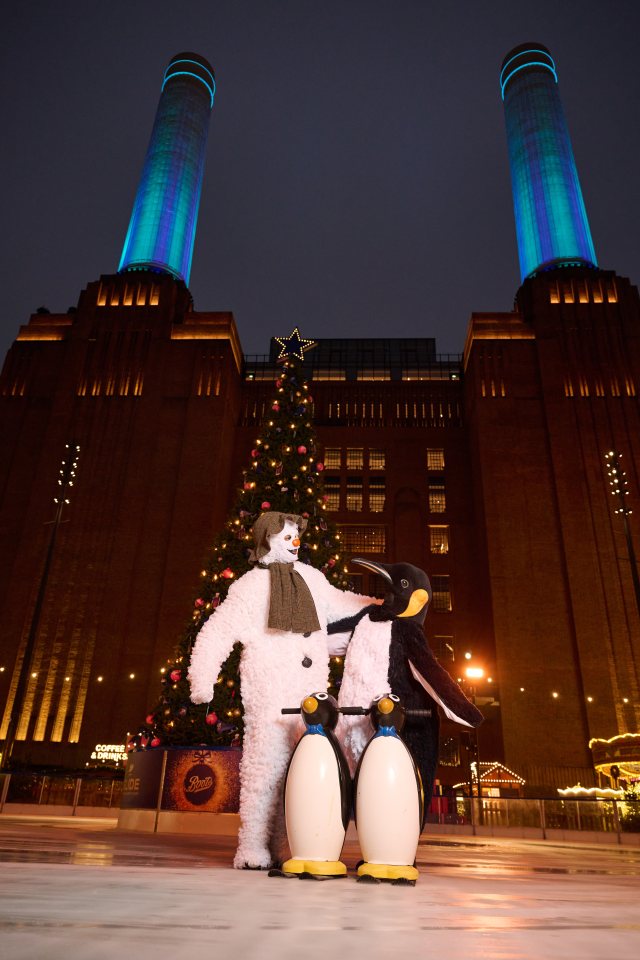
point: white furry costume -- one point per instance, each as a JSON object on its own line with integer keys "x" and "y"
{"x": 365, "y": 676}
{"x": 273, "y": 676}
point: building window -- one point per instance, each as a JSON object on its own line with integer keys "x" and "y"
{"x": 329, "y": 375}
{"x": 332, "y": 493}
{"x": 332, "y": 458}
{"x": 355, "y": 458}
{"x": 441, "y": 601}
{"x": 439, "y": 539}
{"x": 443, "y": 648}
{"x": 437, "y": 497}
{"x": 369, "y": 374}
{"x": 364, "y": 539}
{"x": 435, "y": 459}
{"x": 354, "y": 493}
{"x": 450, "y": 751}
{"x": 376, "y": 460}
{"x": 376, "y": 494}
{"x": 355, "y": 581}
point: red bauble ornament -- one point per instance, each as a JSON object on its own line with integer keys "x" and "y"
{"x": 332, "y": 562}
{"x": 278, "y": 383}
{"x": 319, "y": 467}
{"x": 149, "y": 719}
{"x": 199, "y": 602}
{"x": 265, "y": 506}
{"x": 325, "y": 497}
{"x": 227, "y": 573}
{"x": 302, "y": 449}
{"x": 254, "y": 454}
{"x": 275, "y": 406}
{"x": 216, "y": 601}
{"x": 155, "y": 742}
{"x": 305, "y": 515}
{"x": 246, "y": 486}
{"x": 211, "y": 718}
{"x": 309, "y": 399}
{"x": 176, "y": 675}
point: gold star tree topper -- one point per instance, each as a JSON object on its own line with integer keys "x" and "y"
{"x": 294, "y": 346}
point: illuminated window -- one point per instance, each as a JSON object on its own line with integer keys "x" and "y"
{"x": 437, "y": 496}
{"x": 439, "y": 539}
{"x": 332, "y": 493}
{"x": 354, "y": 493}
{"x": 441, "y": 601}
{"x": 332, "y": 458}
{"x": 154, "y": 298}
{"x": 373, "y": 375}
{"x": 435, "y": 459}
{"x": 364, "y": 539}
{"x": 450, "y": 751}
{"x": 376, "y": 460}
{"x": 127, "y": 300}
{"x": 329, "y": 375}
{"x": 355, "y": 458}
{"x": 376, "y": 494}
{"x": 443, "y": 648}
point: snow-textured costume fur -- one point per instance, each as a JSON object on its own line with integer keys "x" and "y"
{"x": 273, "y": 676}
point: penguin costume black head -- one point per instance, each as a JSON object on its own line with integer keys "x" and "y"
{"x": 408, "y": 590}
{"x": 413, "y": 673}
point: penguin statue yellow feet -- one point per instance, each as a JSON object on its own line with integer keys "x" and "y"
{"x": 389, "y": 800}
{"x": 317, "y": 795}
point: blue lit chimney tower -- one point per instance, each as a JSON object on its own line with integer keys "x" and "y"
{"x": 551, "y": 220}
{"x": 163, "y": 222}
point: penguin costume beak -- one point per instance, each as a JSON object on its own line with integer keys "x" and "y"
{"x": 417, "y": 601}
{"x": 408, "y": 590}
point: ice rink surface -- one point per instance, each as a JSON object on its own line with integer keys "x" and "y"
{"x": 88, "y": 891}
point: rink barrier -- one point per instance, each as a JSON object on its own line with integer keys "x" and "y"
{"x": 589, "y": 820}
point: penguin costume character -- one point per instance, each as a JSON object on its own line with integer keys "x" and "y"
{"x": 317, "y": 795}
{"x": 389, "y": 651}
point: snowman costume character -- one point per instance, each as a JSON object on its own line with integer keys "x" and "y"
{"x": 279, "y": 612}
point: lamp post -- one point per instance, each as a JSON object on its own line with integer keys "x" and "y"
{"x": 620, "y": 490}
{"x": 474, "y": 673}
{"x": 66, "y": 478}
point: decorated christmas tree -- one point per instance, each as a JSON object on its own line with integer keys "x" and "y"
{"x": 285, "y": 473}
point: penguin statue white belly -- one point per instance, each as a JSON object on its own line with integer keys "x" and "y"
{"x": 389, "y": 800}
{"x": 317, "y": 795}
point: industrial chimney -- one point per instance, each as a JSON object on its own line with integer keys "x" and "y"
{"x": 551, "y": 219}
{"x": 165, "y": 212}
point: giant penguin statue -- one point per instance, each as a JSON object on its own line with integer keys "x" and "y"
{"x": 389, "y": 800}
{"x": 317, "y": 794}
{"x": 389, "y": 651}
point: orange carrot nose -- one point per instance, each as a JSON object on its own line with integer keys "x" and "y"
{"x": 296, "y": 542}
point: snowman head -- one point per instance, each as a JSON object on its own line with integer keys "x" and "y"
{"x": 283, "y": 546}
{"x": 277, "y": 537}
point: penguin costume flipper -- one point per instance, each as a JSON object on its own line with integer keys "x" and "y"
{"x": 348, "y": 624}
{"x": 437, "y": 682}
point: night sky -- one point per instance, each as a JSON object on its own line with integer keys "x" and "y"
{"x": 357, "y": 178}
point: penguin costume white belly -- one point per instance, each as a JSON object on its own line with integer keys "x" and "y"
{"x": 389, "y": 799}
{"x": 389, "y": 651}
{"x": 317, "y": 795}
